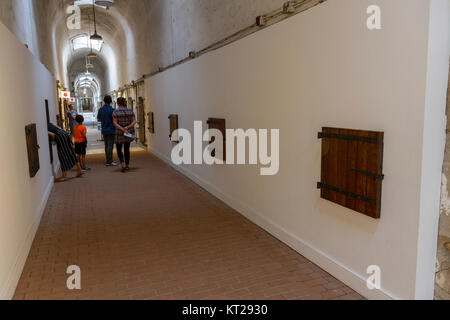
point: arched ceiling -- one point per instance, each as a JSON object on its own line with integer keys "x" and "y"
{"x": 81, "y": 55}
{"x": 106, "y": 65}
{"x": 112, "y": 25}
{"x": 77, "y": 67}
{"x": 85, "y": 81}
{"x": 140, "y": 35}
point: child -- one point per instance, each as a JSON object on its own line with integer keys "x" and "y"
{"x": 81, "y": 142}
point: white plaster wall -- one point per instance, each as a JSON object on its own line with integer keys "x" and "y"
{"x": 24, "y": 86}
{"x": 18, "y": 15}
{"x": 321, "y": 68}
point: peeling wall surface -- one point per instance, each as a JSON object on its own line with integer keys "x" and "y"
{"x": 442, "y": 290}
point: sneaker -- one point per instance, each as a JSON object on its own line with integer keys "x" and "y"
{"x": 86, "y": 169}
{"x": 112, "y": 164}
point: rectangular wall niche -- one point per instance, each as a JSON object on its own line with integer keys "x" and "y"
{"x": 47, "y": 113}
{"x": 173, "y": 118}
{"x": 33, "y": 149}
{"x": 219, "y": 124}
{"x": 151, "y": 122}
{"x": 352, "y": 169}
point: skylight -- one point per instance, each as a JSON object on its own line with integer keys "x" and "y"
{"x": 83, "y": 41}
{"x": 86, "y": 3}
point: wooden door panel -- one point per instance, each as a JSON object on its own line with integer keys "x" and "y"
{"x": 352, "y": 166}
{"x": 32, "y": 149}
{"x": 173, "y": 118}
{"x": 151, "y": 122}
{"x": 47, "y": 113}
{"x": 219, "y": 124}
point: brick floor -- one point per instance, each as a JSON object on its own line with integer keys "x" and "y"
{"x": 153, "y": 234}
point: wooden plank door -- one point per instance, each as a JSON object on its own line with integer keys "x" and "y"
{"x": 47, "y": 113}
{"x": 32, "y": 149}
{"x": 352, "y": 169}
{"x": 173, "y": 118}
{"x": 151, "y": 122}
{"x": 219, "y": 124}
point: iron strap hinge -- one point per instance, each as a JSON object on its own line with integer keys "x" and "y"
{"x": 373, "y": 175}
{"x": 216, "y": 122}
{"x": 321, "y": 185}
{"x": 322, "y": 135}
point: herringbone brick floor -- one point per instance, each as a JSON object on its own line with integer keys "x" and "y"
{"x": 153, "y": 234}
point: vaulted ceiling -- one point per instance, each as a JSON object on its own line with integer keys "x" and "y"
{"x": 111, "y": 25}
{"x": 140, "y": 35}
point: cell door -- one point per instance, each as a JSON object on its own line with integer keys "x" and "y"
{"x": 219, "y": 124}
{"x": 141, "y": 119}
{"x": 32, "y": 149}
{"x": 60, "y": 117}
{"x": 47, "y": 113}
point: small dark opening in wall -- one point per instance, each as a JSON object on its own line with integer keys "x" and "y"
{"x": 47, "y": 113}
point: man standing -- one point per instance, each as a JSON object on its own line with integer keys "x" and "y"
{"x": 72, "y": 115}
{"x": 108, "y": 130}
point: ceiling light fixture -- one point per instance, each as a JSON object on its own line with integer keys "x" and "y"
{"x": 89, "y": 65}
{"x": 104, "y": 3}
{"x": 91, "y": 54}
{"x": 95, "y": 36}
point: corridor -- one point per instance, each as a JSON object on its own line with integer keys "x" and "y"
{"x": 96, "y": 145}
{"x": 281, "y": 150}
{"x": 153, "y": 234}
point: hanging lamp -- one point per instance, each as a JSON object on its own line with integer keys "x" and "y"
{"x": 105, "y": 3}
{"x": 95, "y": 36}
{"x": 91, "y": 54}
{"x": 89, "y": 65}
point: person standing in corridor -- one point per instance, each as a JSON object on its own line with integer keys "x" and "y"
{"x": 71, "y": 116}
{"x": 105, "y": 116}
{"x": 80, "y": 132}
{"x": 66, "y": 152}
{"x": 124, "y": 120}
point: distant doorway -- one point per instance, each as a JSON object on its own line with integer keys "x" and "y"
{"x": 87, "y": 105}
